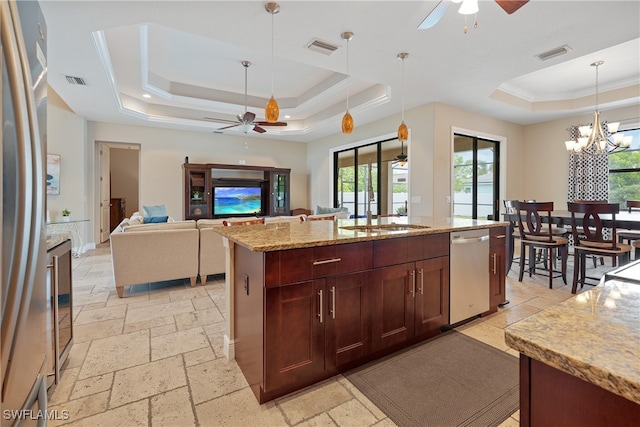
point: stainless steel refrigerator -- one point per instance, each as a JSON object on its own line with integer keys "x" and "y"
{"x": 24, "y": 301}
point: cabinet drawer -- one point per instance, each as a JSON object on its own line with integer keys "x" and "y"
{"x": 297, "y": 265}
{"x": 428, "y": 246}
{"x": 497, "y": 236}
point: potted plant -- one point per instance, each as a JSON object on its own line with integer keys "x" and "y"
{"x": 65, "y": 214}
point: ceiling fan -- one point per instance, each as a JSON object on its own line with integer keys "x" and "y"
{"x": 509, "y": 6}
{"x": 246, "y": 121}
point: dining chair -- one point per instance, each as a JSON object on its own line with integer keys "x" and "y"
{"x": 317, "y": 218}
{"x": 590, "y": 240}
{"x": 244, "y": 222}
{"x": 536, "y": 234}
{"x": 629, "y": 236}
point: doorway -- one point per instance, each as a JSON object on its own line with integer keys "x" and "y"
{"x": 476, "y": 173}
{"x": 119, "y": 178}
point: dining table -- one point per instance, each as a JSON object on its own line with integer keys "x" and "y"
{"x": 624, "y": 220}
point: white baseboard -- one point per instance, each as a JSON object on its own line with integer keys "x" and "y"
{"x": 229, "y": 348}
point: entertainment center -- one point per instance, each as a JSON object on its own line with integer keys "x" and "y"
{"x": 214, "y": 190}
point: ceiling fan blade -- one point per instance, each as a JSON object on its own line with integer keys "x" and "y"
{"x": 511, "y": 6}
{"x": 213, "y": 119}
{"x": 434, "y": 16}
{"x": 228, "y": 127}
{"x": 270, "y": 124}
{"x": 258, "y": 129}
{"x": 248, "y": 117}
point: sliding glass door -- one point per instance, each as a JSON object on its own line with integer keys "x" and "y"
{"x": 371, "y": 178}
{"x": 475, "y": 177}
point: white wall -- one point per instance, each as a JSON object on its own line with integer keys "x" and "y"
{"x": 162, "y": 153}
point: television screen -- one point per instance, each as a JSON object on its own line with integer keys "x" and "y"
{"x": 237, "y": 200}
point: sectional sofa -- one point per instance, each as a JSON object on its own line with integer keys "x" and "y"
{"x": 145, "y": 253}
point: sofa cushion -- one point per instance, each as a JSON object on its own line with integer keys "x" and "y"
{"x": 155, "y": 210}
{"x": 178, "y": 225}
{"x": 155, "y": 219}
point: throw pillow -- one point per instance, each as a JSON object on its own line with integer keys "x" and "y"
{"x": 326, "y": 210}
{"x": 156, "y": 210}
{"x": 155, "y": 219}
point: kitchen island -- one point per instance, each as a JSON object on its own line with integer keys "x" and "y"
{"x": 580, "y": 360}
{"x": 309, "y": 300}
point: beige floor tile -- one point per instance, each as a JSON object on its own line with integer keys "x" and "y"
{"x": 136, "y": 315}
{"x": 177, "y": 343}
{"x": 100, "y": 314}
{"x": 239, "y": 409}
{"x": 488, "y": 334}
{"x": 213, "y": 379}
{"x": 133, "y": 415}
{"x": 91, "y": 331}
{"x": 92, "y": 298}
{"x": 163, "y": 330}
{"x": 92, "y": 385}
{"x": 147, "y": 380}
{"x": 149, "y": 324}
{"x": 509, "y": 422}
{"x": 188, "y": 293}
{"x": 199, "y": 356}
{"x": 172, "y": 408}
{"x": 81, "y": 408}
{"x": 352, "y": 413}
{"x": 541, "y": 303}
{"x": 371, "y": 407}
{"x": 77, "y": 354}
{"x": 314, "y": 400}
{"x": 322, "y": 420}
{"x": 203, "y": 303}
{"x": 114, "y": 353}
{"x": 512, "y": 315}
{"x": 385, "y": 423}
{"x": 198, "y": 318}
{"x": 516, "y": 415}
{"x": 63, "y": 390}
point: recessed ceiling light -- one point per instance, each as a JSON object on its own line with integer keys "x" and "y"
{"x": 146, "y": 95}
{"x": 287, "y": 116}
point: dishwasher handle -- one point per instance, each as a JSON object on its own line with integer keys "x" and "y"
{"x": 463, "y": 240}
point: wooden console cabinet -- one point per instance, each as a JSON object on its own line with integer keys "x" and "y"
{"x": 303, "y": 315}
{"x": 199, "y": 180}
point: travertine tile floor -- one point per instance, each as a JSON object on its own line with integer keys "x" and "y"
{"x": 154, "y": 358}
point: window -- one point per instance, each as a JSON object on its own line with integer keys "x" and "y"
{"x": 624, "y": 172}
{"x": 369, "y": 178}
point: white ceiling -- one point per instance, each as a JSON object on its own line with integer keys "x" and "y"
{"x": 187, "y": 55}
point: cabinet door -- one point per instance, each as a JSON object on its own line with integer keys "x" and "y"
{"x": 279, "y": 182}
{"x": 348, "y": 325}
{"x": 294, "y": 336}
{"x": 197, "y": 192}
{"x": 432, "y": 295}
{"x": 497, "y": 275}
{"x": 393, "y": 307}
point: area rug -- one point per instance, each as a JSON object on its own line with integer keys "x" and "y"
{"x": 450, "y": 380}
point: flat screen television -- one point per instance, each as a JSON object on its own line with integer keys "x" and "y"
{"x": 234, "y": 200}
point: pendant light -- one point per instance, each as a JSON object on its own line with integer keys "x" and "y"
{"x": 347, "y": 120}
{"x": 403, "y": 132}
{"x": 272, "y": 111}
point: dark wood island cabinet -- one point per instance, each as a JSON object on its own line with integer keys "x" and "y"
{"x": 304, "y": 314}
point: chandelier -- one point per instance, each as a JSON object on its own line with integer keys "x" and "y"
{"x": 593, "y": 139}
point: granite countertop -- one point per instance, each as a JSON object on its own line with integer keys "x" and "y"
{"x": 54, "y": 239}
{"x": 594, "y": 336}
{"x": 294, "y": 235}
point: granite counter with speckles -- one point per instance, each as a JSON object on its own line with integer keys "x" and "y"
{"x": 293, "y": 235}
{"x": 594, "y": 336}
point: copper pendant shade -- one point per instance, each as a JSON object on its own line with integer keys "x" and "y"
{"x": 347, "y": 123}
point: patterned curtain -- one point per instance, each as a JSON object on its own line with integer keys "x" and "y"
{"x": 588, "y": 173}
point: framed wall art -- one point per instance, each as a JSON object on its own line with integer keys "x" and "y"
{"x": 53, "y": 174}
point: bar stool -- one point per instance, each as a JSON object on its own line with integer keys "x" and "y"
{"x": 536, "y": 235}
{"x": 317, "y": 218}
{"x": 591, "y": 241}
{"x": 245, "y": 222}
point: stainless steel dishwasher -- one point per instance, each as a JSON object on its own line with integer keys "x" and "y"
{"x": 469, "y": 274}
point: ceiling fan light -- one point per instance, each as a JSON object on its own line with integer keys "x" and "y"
{"x": 272, "y": 111}
{"x": 403, "y": 132}
{"x": 347, "y": 123}
{"x": 469, "y": 7}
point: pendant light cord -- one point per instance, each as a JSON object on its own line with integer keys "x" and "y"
{"x": 272, "y": 42}
{"x": 402, "y": 89}
{"x": 348, "y": 75}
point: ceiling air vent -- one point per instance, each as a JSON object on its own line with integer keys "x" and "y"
{"x": 322, "y": 46}
{"x": 554, "y": 52}
{"x": 76, "y": 81}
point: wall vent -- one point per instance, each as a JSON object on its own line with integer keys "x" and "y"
{"x": 76, "y": 81}
{"x": 554, "y": 52}
{"x": 322, "y": 46}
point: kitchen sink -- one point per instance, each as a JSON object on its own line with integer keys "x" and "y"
{"x": 384, "y": 227}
